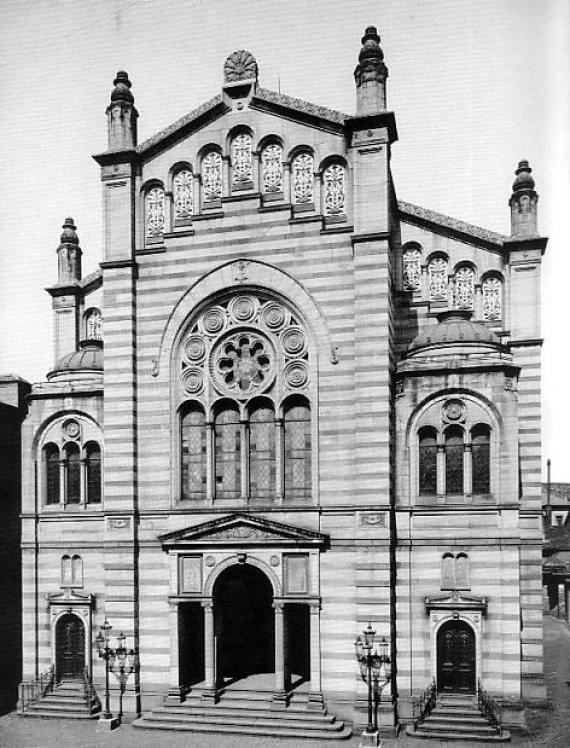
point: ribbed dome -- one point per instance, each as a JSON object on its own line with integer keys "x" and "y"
{"x": 454, "y": 328}
{"x": 88, "y": 358}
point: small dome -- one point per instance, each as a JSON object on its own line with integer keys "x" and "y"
{"x": 89, "y": 358}
{"x": 454, "y": 328}
{"x": 523, "y": 179}
{"x": 68, "y": 235}
{"x": 122, "y": 84}
{"x": 371, "y": 50}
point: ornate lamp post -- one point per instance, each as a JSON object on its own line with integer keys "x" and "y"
{"x": 119, "y": 661}
{"x": 372, "y": 667}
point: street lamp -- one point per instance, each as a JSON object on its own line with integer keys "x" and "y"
{"x": 118, "y": 660}
{"x": 372, "y": 667}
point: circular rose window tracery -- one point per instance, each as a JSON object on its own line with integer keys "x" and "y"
{"x": 243, "y": 363}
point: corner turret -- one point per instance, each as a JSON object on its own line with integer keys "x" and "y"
{"x": 523, "y": 203}
{"x": 122, "y": 115}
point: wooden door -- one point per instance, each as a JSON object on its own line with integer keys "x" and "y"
{"x": 456, "y": 658}
{"x": 70, "y": 647}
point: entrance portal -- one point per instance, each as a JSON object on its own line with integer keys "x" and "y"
{"x": 244, "y": 623}
{"x": 456, "y": 657}
{"x": 70, "y": 647}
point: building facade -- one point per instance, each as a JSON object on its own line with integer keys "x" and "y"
{"x": 316, "y": 406}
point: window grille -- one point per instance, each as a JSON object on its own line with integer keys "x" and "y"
{"x": 241, "y": 160}
{"x": 411, "y": 259}
{"x": 492, "y": 290}
{"x": 334, "y": 188}
{"x": 438, "y": 276}
{"x": 303, "y": 178}
{"x": 182, "y": 195}
{"x": 272, "y": 168}
{"x": 154, "y": 213}
{"x": 464, "y": 288}
{"x": 212, "y": 176}
{"x": 93, "y": 325}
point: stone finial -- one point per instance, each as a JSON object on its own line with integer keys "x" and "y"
{"x": 122, "y": 90}
{"x": 240, "y": 66}
{"x": 523, "y": 203}
{"x": 68, "y": 235}
{"x": 370, "y": 75}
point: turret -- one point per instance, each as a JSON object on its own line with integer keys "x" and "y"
{"x": 122, "y": 115}
{"x": 523, "y": 203}
{"x": 69, "y": 255}
{"x": 370, "y": 75}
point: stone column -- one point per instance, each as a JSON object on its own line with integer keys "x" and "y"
{"x": 209, "y": 650}
{"x": 244, "y": 467}
{"x": 315, "y": 694}
{"x": 210, "y": 468}
{"x": 319, "y": 209}
{"x": 440, "y": 467}
{"x": 168, "y": 212}
{"x": 467, "y": 470}
{"x": 83, "y": 480}
{"x": 279, "y": 695}
{"x": 175, "y": 691}
{"x": 226, "y": 185}
{"x": 478, "y": 301}
{"x": 424, "y": 283}
{"x": 255, "y": 159}
{"x": 287, "y": 181}
{"x": 279, "y": 462}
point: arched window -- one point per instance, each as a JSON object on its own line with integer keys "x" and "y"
{"x": 262, "y": 452}
{"x": 334, "y": 190}
{"x": 93, "y": 325}
{"x": 211, "y": 176}
{"x": 51, "y": 457}
{"x": 193, "y": 453}
{"x": 71, "y": 571}
{"x": 462, "y": 580}
{"x": 454, "y": 460}
{"x": 66, "y": 577}
{"x": 302, "y": 177}
{"x": 72, "y": 474}
{"x": 297, "y": 423}
{"x": 154, "y": 214}
{"x": 464, "y": 288}
{"x": 272, "y": 168}
{"x": 480, "y": 449}
{"x": 492, "y": 291}
{"x": 182, "y": 195}
{"x": 447, "y": 572}
{"x": 228, "y": 452}
{"x": 428, "y": 461}
{"x": 411, "y": 270}
{"x": 241, "y": 161}
{"x": 93, "y": 472}
{"x": 438, "y": 275}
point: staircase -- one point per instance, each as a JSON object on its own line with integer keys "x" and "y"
{"x": 69, "y": 699}
{"x": 458, "y": 717}
{"x": 246, "y": 712}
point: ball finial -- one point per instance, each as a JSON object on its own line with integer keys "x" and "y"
{"x": 122, "y": 84}
{"x": 68, "y": 235}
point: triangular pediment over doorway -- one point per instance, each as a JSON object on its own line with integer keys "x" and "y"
{"x": 243, "y": 530}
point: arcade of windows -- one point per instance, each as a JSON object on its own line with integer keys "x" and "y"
{"x": 244, "y": 389}
{"x": 458, "y": 289}
{"x": 265, "y": 170}
{"x": 71, "y": 474}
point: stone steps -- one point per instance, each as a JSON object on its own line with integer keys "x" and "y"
{"x": 67, "y": 700}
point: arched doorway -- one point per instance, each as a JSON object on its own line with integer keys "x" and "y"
{"x": 243, "y": 624}
{"x": 456, "y": 657}
{"x": 69, "y": 647}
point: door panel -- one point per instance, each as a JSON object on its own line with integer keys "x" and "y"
{"x": 70, "y": 647}
{"x": 456, "y": 657}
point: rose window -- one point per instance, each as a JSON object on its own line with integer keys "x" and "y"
{"x": 243, "y": 363}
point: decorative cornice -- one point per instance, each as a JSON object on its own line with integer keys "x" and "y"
{"x": 455, "y": 600}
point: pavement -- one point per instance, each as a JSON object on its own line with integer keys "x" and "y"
{"x": 546, "y": 727}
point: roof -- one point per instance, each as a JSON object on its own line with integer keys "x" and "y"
{"x": 559, "y": 493}
{"x": 88, "y": 358}
{"x": 454, "y": 327}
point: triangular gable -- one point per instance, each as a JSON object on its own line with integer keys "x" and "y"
{"x": 242, "y": 529}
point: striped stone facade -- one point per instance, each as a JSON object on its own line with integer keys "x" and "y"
{"x": 370, "y": 549}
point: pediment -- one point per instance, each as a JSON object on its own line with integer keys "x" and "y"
{"x": 455, "y": 600}
{"x": 242, "y": 530}
{"x": 69, "y": 597}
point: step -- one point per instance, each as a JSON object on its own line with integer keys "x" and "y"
{"x": 429, "y": 726}
{"x": 268, "y": 721}
{"x": 465, "y": 736}
{"x": 444, "y": 709}
{"x": 457, "y": 719}
{"x": 62, "y": 707}
{"x": 222, "y": 712}
{"x": 58, "y": 715}
{"x": 278, "y": 731}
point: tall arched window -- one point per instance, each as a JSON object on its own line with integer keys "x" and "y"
{"x": 93, "y": 472}
{"x": 193, "y": 453}
{"x": 66, "y": 571}
{"x": 72, "y": 474}
{"x": 454, "y": 450}
{"x": 464, "y": 287}
{"x": 228, "y": 452}
{"x": 411, "y": 269}
{"x": 462, "y": 580}
{"x": 492, "y": 291}
{"x": 272, "y": 168}
{"x": 480, "y": 449}
{"x": 297, "y": 423}
{"x": 51, "y": 457}
{"x": 211, "y": 176}
{"x": 241, "y": 161}
{"x": 428, "y": 461}
{"x": 302, "y": 179}
{"x": 447, "y": 572}
{"x": 154, "y": 214}
{"x": 438, "y": 276}
{"x": 93, "y": 325}
{"x": 262, "y": 452}
{"x": 182, "y": 195}
{"x": 334, "y": 196}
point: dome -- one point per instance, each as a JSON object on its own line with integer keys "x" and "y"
{"x": 122, "y": 84}
{"x": 89, "y": 358}
{"x": 523, "y": 179}
{"x": 454, "y": 328}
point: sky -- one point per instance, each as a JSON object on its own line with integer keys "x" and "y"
{"x": 475, "y": 86}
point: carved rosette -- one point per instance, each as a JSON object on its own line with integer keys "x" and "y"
{"x": 241, "y": 347}
{"x": 239, "y": 66}
{"x": 454, "y": 411}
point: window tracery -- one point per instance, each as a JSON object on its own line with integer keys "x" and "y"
{"x": 240, "y": 359}
{"x": 438, "y": 275}
{"x": 72, "y": 473}
{"x": 182, "y": 195}
{"x": 303, "y": 178}
{"x": 241, "y": 160}
{"x": 334, "y": 190}
{"x": 154, "y": 213}
{"x": 212, "y": 176}
{"x": 272, "y": 168}
{"x": 411, "y": 259}
{"x": 464, "y": 288}
{"x": 492, "y": 290}
{"x": 93, "y": 325}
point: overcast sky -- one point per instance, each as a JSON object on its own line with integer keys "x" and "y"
{"x": 476, "y": 86}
